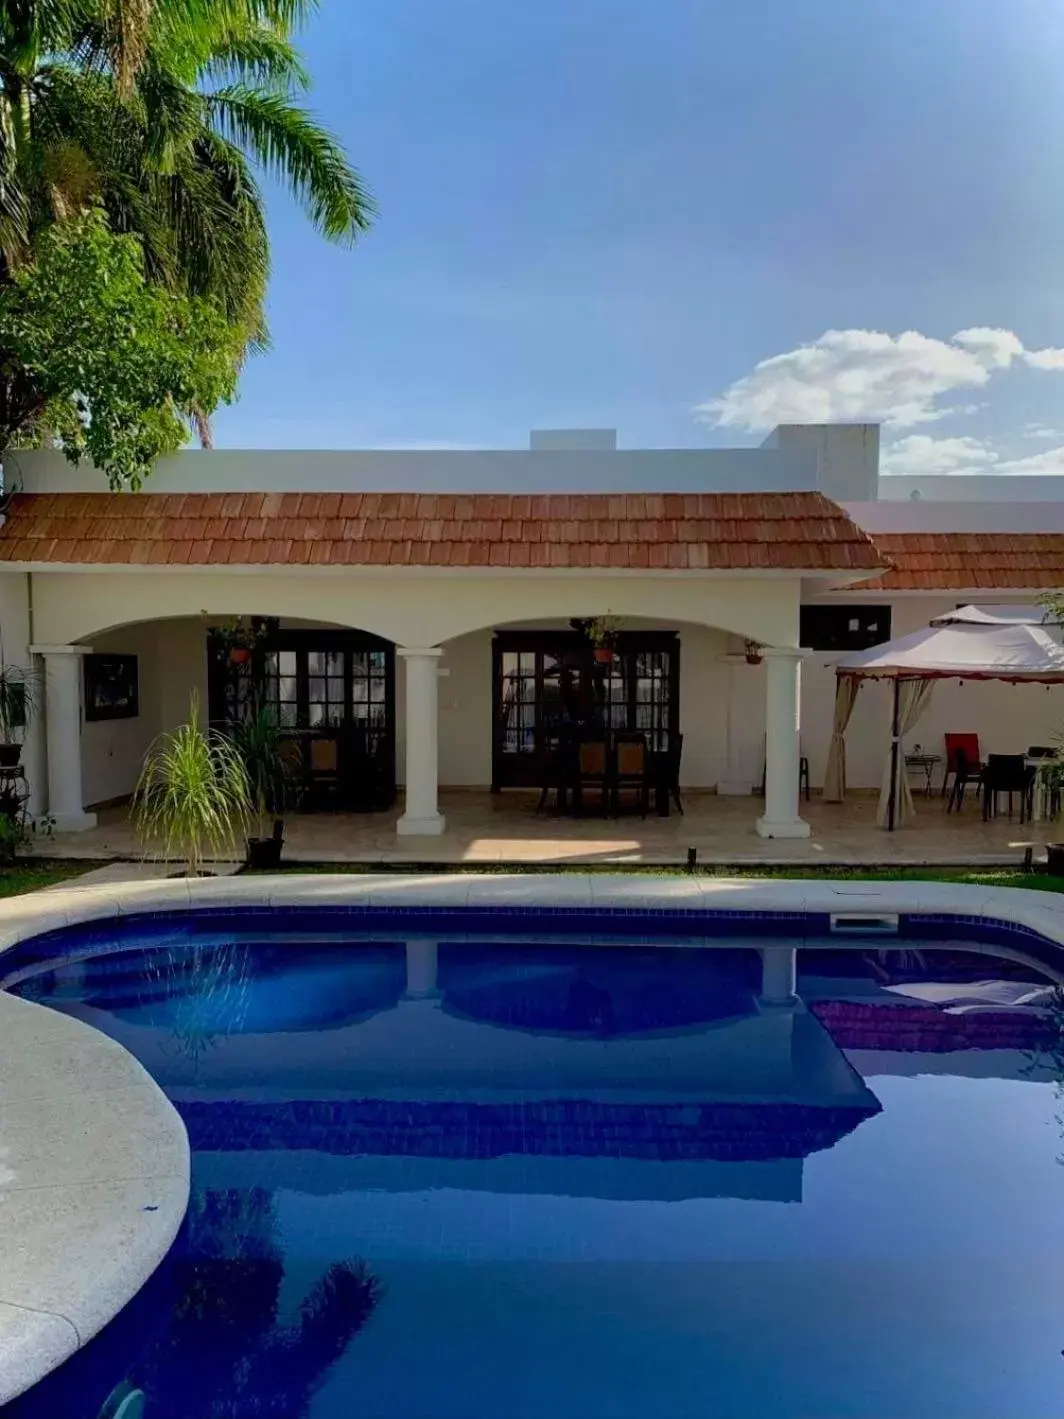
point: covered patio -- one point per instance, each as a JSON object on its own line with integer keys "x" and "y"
{"x": 484, "y": 828}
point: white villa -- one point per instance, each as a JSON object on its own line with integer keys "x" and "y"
{"x": 421, "y": 613}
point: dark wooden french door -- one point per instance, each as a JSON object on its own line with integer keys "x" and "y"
{"x": 543, "y": 680}
{"x": 333, "y": 693}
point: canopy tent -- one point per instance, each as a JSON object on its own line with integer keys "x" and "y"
{"x": 1014, "y": 651}
{"x": 997, "y": 616}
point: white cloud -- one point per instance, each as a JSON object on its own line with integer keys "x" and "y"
{"x": 870, "y": 376}
{"x": 1041, "y": 431}
{"x": 994, "y": 348}
{"x": 1050, "y": 460}
{"x": 919, "y": 454}
{"x": 1045, "y": 359}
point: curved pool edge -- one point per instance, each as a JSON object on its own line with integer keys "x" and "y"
{"x": 492, "y": 899}
{"x": 94, "y": 1184}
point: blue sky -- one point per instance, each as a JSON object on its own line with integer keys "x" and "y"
{"x": 609, "y": 212}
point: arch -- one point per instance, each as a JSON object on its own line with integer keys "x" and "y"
{"x": 408, "y": 607}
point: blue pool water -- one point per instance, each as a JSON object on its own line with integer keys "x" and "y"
{"x": 521, "y": 1179}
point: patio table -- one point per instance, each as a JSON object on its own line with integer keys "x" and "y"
{"x": 926, "y": 764}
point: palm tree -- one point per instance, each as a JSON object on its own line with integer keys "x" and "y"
{"x": 162, "y": 110}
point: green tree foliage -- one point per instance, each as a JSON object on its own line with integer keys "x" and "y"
{"x": 111, "y": 363}
{"x": 158, "y": 113}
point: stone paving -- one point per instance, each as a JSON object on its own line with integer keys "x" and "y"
{"x": 483, "y": 829}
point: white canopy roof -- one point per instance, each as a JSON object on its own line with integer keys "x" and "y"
{"x": 996, "y": 616}
{"x": 964, "y": 651}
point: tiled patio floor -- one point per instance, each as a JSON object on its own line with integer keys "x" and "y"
{"x": 506, "y": 829}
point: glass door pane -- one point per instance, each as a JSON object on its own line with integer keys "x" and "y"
{"x": 653, "y": 686}
{"x": 281, "y": 686}
{"x": 517, "y": 702}
{"x": 326, "y": 680}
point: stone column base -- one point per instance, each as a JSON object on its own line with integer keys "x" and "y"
{"x": 74, "y": 822}
{"x": 796, "y": 828}
{"x": 430, "y": 827}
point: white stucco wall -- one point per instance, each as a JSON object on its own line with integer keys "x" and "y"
{"x": 561, "y": 469}
{"x": 465, "y": 711}
{"x": 112, "y": 750}
{"x": 410, "y": 608}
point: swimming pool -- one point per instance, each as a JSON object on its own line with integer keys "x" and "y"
{"x": 569, "y": 1174}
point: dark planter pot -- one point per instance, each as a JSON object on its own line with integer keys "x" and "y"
{"x": 264, "y": 854}
{"x": 752, "y": 659}
{"x": 1055, "y": 859}
{"x": 10, "y": 754}
{"x": 603, "y": 654}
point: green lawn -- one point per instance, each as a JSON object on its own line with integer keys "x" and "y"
{"x": 32, "y": 876}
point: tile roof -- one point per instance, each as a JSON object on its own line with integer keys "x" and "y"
{"x": 945, "y": 561}
{"x": 651, "y": 531}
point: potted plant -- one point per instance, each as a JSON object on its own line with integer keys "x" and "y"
{"x": 14, "y": 829}
{"x": 260, "y": 744}
{"x": 238, "y": 637}
{"x": 753, "y": 651}
{"x": 602, "y": 632}
{"x": 16, "y": 702}
{"x": 193, "y": 796}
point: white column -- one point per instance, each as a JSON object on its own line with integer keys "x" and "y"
{"x": 422, "y": 958}
{"x": 781, "y": 818}
{"x": 62, "y": 714}
{"x": 422, "y": 817}
{"x": 779, "y": 975}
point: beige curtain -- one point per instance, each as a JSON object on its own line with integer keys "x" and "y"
{"x": 846, "y": 687}
{"x": 913, "y": 696}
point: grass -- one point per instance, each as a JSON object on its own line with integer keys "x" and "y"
{"x": 981, "y": 877}
{"x": 30, "y": 876}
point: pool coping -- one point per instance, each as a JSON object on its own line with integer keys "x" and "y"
{"x": 62, "y": 1277}
{"x": 541, "y": 900}
{"x": 94, "y": 1182}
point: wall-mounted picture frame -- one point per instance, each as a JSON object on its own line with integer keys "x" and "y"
{"x": 112, "y": 687}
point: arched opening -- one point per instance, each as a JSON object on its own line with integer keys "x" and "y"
{"x": 330, "y": 688}
{"x": 330, "y": 691}
{"x": 547, "y": 681}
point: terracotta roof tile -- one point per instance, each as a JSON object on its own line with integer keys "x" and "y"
{"x": 615, "y": 531}
{"x": 947, "y": 561}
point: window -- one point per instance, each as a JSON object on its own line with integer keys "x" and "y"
{"x": 832, "y": 627}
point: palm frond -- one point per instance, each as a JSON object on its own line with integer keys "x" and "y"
{"x": 291, "y": 146}
{"x": 257, "y": 55}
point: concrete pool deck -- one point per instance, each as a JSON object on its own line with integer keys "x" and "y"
{"x": 94, "y": 1162}
{"x": 94, "y": 1182}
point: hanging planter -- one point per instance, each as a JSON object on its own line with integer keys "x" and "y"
{"x": 753, "y": 652}
{"x": 235, "y": 640}
{"x": 602, "y": 632}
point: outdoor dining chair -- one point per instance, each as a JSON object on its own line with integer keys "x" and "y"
{"x": 630, "y": 771}
{"x": 964, "y": 772}
{"x": 593, "y": 772}
{"x": 1006, "y": 773}
{"x": 957, "y": 745}
{"x": 674, "y": 758}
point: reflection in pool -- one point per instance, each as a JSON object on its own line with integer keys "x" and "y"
{"x": 478, "y": 1179}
